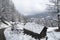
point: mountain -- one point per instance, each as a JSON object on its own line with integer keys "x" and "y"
{"x": 38, "y": 15}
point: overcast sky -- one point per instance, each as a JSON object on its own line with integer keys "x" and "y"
{"x": 26, "y": 7}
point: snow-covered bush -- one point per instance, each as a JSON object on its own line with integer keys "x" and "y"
{"x": 17, "y": 27}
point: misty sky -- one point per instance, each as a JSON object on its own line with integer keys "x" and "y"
{"x": 29, "y": 7}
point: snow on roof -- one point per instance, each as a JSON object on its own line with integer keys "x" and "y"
{"x": 34, "y": 27}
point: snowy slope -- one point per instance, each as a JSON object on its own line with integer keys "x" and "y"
{"x": 11, "y": 35}
{"x": 53, "y": 35}
{"x": 2, "y": 25}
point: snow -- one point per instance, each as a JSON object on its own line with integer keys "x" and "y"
{"x": 51, "y": 29}
{"x": 19, "y": 26}
{"x": 13, "y": 35}
{"x": 3, "y": 26}
{"x": 52, "y": 35}
{"x": 58, "y": 34}
{"x": 34, "y": 27}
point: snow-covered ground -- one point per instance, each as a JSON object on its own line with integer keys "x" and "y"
{"x": 3, "y": 26}
{"x": 13, "y": 35}
{"x": 51, "y": 29}
{"x": 53, "y": 35}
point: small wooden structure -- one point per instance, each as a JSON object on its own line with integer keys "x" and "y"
{"x": 37, "y": 35}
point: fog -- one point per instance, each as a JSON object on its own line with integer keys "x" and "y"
{"x": 30, "y": 7}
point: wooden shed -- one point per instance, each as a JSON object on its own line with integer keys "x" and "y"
{"x": 35, "y": 30}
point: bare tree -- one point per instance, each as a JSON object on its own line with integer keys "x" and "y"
{"x": 7, "y": 10}
{"x": 54, "y": 8}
